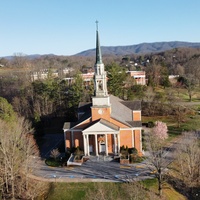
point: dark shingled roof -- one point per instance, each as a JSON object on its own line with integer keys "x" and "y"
{"x": 86, "y": 115}
{"x": 133, "y": 105}
{"x": 135, "y": 123}
{"x": 84, "y": 106}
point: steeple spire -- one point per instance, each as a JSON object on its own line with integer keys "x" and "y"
{"x": 98, "y": 48}
{"x": 100, "y": 80}
{"x": 101, "y": 97}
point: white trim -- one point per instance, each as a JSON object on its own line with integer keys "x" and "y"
{"x": 133, "y": 138}
{"x": 118, "y": 143}
{"x": 140, "y": 141}
{"x": 88, "y": 145}
{"x": 72, "y": 139}
{"x": 96, "y": 145}
{"x": 72, "y": 129}
{"x": 84, "y": 145}
{"x": 115, "y": 146}
{"x": 133, "y": 128}
{"x": 100, "y": 132}
{"x": 65, "y": 141}
{"x": 106, "y": 142}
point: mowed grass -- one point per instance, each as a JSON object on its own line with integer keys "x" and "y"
{"x": 189, "y": 124}
{"x": 180, "y": 93}
{"x": 168, "y": 192}
{"x": 77, "y": 191}
{"x": 68, "y": 191}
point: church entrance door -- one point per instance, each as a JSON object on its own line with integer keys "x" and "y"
{"x": 102, "y": 147}
{"x": 91, "y": 148}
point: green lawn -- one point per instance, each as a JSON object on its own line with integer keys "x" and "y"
{"x": 68, "y": 191}
{"x": 77, "y": 191}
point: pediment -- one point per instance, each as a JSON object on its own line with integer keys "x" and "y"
{"x": 101, "y": 126}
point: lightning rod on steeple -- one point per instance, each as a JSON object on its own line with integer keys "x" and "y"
{"x": 96, "y": 24}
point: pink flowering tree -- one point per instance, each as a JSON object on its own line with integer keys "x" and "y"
{"x": 160, "y": 130}
{"x": 157, "y": 159}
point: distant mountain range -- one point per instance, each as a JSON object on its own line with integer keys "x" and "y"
{"x": 139, "y": 48}
{"x": 142, "y": 48}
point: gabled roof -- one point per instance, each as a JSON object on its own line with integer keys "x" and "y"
{"x": 101, "y": 125}
{"x": 123, "y": 110}
{"x": 84, "y": 106}
{"x": 133, "y": 105}
{"x": 119, "y": 111}
{"x": 135, "y": 123}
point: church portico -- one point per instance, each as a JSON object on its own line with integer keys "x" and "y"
{"x": 101, "y": 143}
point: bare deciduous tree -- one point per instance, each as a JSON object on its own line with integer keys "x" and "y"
{"x": 188, "y": 160}
{"x": 16, "y": 148}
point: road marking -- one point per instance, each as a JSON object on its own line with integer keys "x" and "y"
{"x": 139, "y": 166}
{"x": 125, "y": 167}
{"x": 69, "y": 168}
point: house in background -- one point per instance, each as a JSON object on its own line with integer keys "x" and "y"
{"x": 106, "y": 123}
{"x": 139, "y": 76}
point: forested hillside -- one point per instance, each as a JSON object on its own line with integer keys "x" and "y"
{"x": 142, "y": 48}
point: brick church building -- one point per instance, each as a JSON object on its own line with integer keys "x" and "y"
{"x": 107, "y": 123}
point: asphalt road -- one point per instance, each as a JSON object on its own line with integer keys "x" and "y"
{"x": 91, "y": 169}
{"x": 103, "y": 170}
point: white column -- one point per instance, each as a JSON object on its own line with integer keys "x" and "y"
{"x": 84, "y": 145}
{"x": 88, "y": 145}
{"x": 96, "y": 145}
{"x": 114, "y": 136}
{"x": 140, "y": 140}
{"x": 133, "y": 141}
{"x": 65, "y": 141}
{"x": 118, "y": 143}
{"x": 72, "y": 139}
{"x": 106, "y": 144}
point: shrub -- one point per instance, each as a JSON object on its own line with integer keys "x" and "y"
{"x": 133, "y": 151}
{"x": 150, "y": 124}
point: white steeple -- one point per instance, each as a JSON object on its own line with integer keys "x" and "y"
{"x": 100, "y": 75}
{"x": 101, "y": 97}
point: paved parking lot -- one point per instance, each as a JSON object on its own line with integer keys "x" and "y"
{"x": 97, "y": 171}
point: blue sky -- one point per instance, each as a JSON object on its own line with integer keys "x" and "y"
{"x": 67, "y": 27}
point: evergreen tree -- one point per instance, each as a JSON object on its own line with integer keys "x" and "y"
{"x": 116, "y": 78}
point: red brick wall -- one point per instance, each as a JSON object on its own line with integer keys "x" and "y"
{"x": 137, "y": 116}
{"x": 78, "y": 140}
{"x": 137, "y": 140}
{"x": 126, "y": 138}
{"x": 105, "y": 113}
{"x": 117, "y": 123}
{"x": 110, "y": 143}
{"x": 68, "y": 139}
